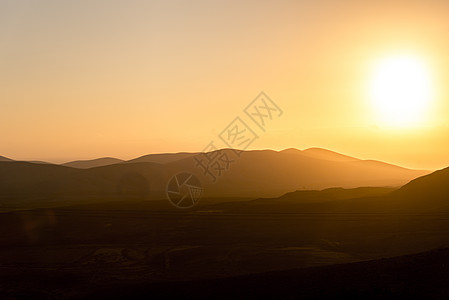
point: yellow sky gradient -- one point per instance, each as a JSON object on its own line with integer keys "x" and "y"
{"x": 86, "y": 79}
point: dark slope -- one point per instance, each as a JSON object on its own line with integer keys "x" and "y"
{"x": 427, "y": 194}
{"x": 2, "y": 158}
{"x": 30, "y": 179}
{"x": 435, "y": 185}
{"x": 418, "y": 276}
{"x": 269, "y": 173}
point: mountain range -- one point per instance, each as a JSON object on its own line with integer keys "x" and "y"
{"x": 304, "y": 210}
{"x": 428, "y": 194}
{"x": 258, "y": 173}
{"x": 2, "y": 158}
{"x": 92, "y": 163}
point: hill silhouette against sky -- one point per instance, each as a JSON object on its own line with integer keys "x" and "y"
{"x": 2, "y": 158}
{"x": 162, "y": 158}
{"x": 86, "y": 164}
{"x": 263, "y": 173}
{"x": 426, "y": 194}
{"x": 149, "y": 149}
{"x": 325, "y": 154}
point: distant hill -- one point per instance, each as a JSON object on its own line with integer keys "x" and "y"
{"x": 99, "y": 162}
{"x": 433, "y": 185}
{"x": 40, "y": 162}
{"x": 335, "y": 194}
{"x": 431, "y": 191}
{"x": 428, "y": 194}
{"x": 325, "y": 154}
{"x": 31, "y": 179}
{"x": 270, "y": 173}
{"x": 162, "y": 158}
{"x": 259, "y": 173}
{"x": 2, "y": 158}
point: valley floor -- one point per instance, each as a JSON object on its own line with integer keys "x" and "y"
{"x": 144, "y": 248}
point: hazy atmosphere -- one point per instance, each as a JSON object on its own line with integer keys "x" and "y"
{"x": 86, "y": 79}
{"x": 224, "y": 149}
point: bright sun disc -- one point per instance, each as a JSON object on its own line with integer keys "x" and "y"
{"x": 401, "y": 90}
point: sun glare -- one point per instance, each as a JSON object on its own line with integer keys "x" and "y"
{"x": 401, "y": 91}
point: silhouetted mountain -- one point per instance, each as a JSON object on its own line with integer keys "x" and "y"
{"x": 435, "y": 185}
{"x": 162, "y": 158}
{"x": 335, "y": 194}
{"x": 2, "y": 158}
{"x": 427, "y": 194}
{"x": 264, "y": 173}
{"x": 30, "y": 179}
{"x": 325, "y": 154}
{"x": 40, "y": 162}
{"x": 430, "y": 191}
{"x": 269, "y": 173}
{"x": 86, "y": 164}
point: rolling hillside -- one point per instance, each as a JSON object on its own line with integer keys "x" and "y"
{"x": 263, "y": 173}
{"x": 99, "y": 162}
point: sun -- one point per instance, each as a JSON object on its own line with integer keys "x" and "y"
{"x": 401, "y": 90}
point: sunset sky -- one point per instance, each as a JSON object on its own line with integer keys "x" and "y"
{"x": 87, "y": 79}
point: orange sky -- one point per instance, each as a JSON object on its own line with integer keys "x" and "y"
{"x": 85, "y": 79}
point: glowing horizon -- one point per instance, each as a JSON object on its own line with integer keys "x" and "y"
{"x": 83, "y": 81}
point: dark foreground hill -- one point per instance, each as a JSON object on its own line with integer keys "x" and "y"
{"x": 2, "y": 158}
{"x": 427, "y": 194}
{"x": 232, "y": 248}
{"x": 430, "y": 189}
{"x": 418, "y": 276}
{"x": 147, "y": 250}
